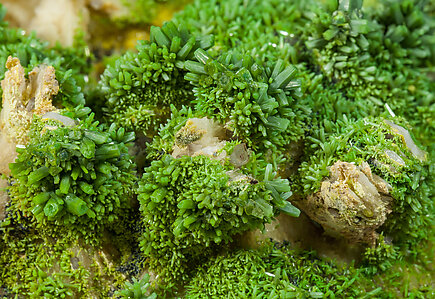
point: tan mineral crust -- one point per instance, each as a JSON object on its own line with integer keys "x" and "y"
{"x": 352, "y": 203}
{"x": 7, "y": 154}
{"x": 21, "y": 99}
{"x": 203, "y": 136}
{"x": 199, "y": 136}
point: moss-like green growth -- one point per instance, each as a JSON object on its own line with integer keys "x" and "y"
{"x": 191, "y": 205}
{"x": 327, "y": 102}
{"x": 409, "y": 31}
{"x": 34, "y": 265}
{"x": 279, "y": 272}
{"x": 137, "y": 289}
{"x": 140, "y": 87}
{"x": 39, "y": 280}
{"x": 258, "y": 28}
{"x": 399, "y": 276}
{"x": 258, "y": 104}
{"x": 381, "y": 257}
{"x": 74, "y": 175}
{"x": 310, "y": 87}
{"x": 71, "y": 64}
{"x": 367, "y": 57}
{"x": 352, "y": 63}
{"x": 336, "y": 40}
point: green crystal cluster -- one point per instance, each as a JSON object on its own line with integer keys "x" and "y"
{"x": 191, "y": 205}
{"x": 78, "y": 177}
{"x": 373, "y": 60}
{"x": 256, "y": 103}
{"x": 140, "y": 87}
{"x": 36, "y": 265}
{"x": 234, "y": 115}
{"x": 138, "y": 289}
{"x": 275, "y": 271}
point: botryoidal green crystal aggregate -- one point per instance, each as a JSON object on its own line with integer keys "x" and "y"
{"x": 192, "y": 205}
{"x": 372, "y": 60}
{"x": 76, "y": 178}
{"x": 141, "y": 86}
{"x": 253, "y": 101}
{"x": 237, "y": 112}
